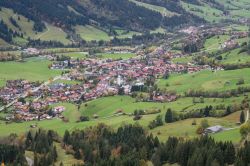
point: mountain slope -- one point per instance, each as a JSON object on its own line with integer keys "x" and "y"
{"x": 65, "y": 20}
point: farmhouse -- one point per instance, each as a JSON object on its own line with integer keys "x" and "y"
{"x": 214, "y": 129}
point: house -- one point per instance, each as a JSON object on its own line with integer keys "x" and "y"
{"x": 213, "y": 129}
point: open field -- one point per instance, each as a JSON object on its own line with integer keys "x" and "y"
{"x": 26, "y": 27}
{"x": 121, "y": 34}
{"x": 184, "y": 60}
{"x": 107, "y": 106}
{"x": 75, "y": 55}
{"x": 116, "y": 55}
{"x": 53, "y": 33}
{"x": 31, "y": 70}
{"x": 233, "y": 57}
{"x": 66, "y": 159}
{"x": 206, "y": 80}
{"x": 159, "y": 9}
{"x": 231, "y": 135}
{"x": 204, "y": 11}
{"x": 185, "y": 128}
{"x": 89, "y": 33}
{"x": 215, "y": 42}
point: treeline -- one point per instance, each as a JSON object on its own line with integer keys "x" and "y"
{"x": 215, "y": 94}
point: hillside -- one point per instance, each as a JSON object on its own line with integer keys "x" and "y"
{"x": 68, "y": 21}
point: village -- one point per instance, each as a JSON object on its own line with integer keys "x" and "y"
{"x": 104, "y": 77}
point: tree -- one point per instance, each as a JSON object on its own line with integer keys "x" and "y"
{"x": 204, "y": 124}
{"x": 169, "y": 116}
{"x": 242, "y": 117}
{"x": 66, "y": 138}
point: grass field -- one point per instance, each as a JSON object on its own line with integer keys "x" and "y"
{"x": 231, "y": 135}
{"x": 116, "y": 55}
{"x": 205, "y": 11}
{"x": 121, "y": 34}
{"x": 206, "y": 80}
{"x": 159, "y": 9}
{"x": 105, "y": 109}
{"x": 66, "y": 159}
{"x": 89, "y": 33}
{"x": 184, "y": 60}
{"x": 74, "y": 55}
{"x": 185, "y": 128}
{"x": 31, "y": 70}
{"x": 53, "y": 33}
{"x": 213, "y": 44}
{"x": 233, "y": 57}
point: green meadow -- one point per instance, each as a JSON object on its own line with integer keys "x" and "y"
{"x": 205, "y": 80}
{"x": 90, "y": 33}
{"x": 75, "y": 55}
{"x": 213, "y": 44}
{"x": 116, "y": 55}
{"x": 156, "y": 8}
{"x": 235, "y": 57}
{"x": 31, "y": 70}
{"x": 50, "y": 33}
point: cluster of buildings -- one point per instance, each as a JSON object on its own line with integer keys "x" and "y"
{"x": 14, "y": 89}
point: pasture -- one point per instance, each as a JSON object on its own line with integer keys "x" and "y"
{"x": 205, "y": 80}
{"x": 235, "y": 57}
{"x": 115, "y": 56}
{"x": 156, "y": 8}
{"x": 75, "y": 55}
{"x": 31, "y": 70}
{"x": 106, "y": 108}
{"x": 90, "y": 33}
{"x": 185, "y": 128}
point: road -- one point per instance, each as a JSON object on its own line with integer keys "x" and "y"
{"x": 25, "y": 94}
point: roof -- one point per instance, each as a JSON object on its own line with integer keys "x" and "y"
{"x": 215, "y": 128}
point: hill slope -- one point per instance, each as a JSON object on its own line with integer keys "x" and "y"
{"x": 46, "y": 20}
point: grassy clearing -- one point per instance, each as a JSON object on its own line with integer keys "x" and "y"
{"x": 231, "y": 135}
{"x": 107, "y": 106}
{"x": 205, "y": 11}
{"x": 90, "y": 33}
{"x": 53, "y": 33}
{"x": 121, "y": 34}
{"x": 185, "y": 128}
{"x": 75, "y": 55}
{"x": 214, "y": 43}
{"x": 116, "y": 55}
{"x": 159, "y": 9}
{"x": 233, "y": 57}
{"x": 105, "y": 109}
{"x": 30, "y": 70}
{"x": 184, "y": 60}
{"x": 64, "y": 158}
{"x": 206, "y": 80}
